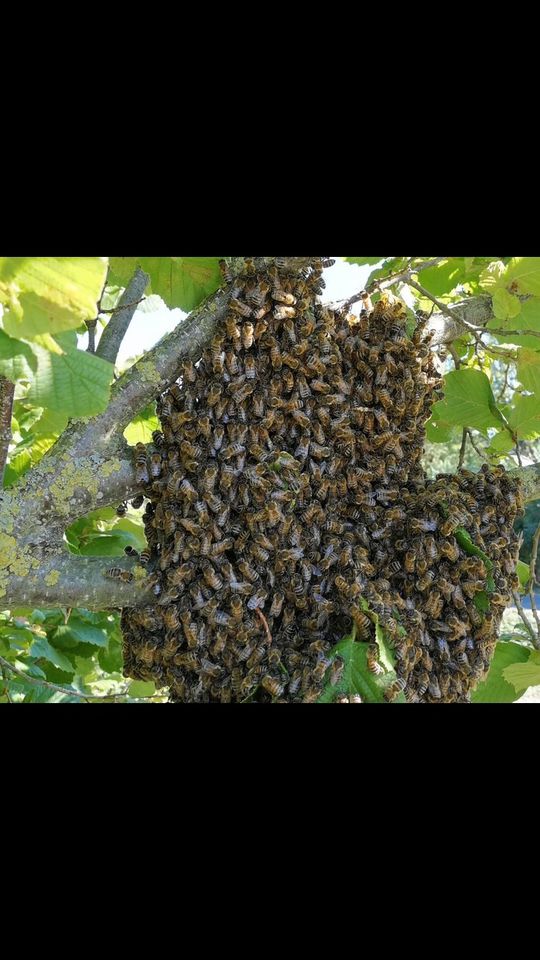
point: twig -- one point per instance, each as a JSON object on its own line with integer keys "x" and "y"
{"x": 532, "y": 580}
{"x": 92, "y": 324}
{"x": 264, "y": 621}
{"x": 455, "y": 356}
{"x": 463, "y": 448}
{"x": 444, "y": 309}
{"x": 5, "y": 691}
{"x": 521, "y": 611}
{"x": 124, "y": 306}
{"x": 480, "y": 453}
{"x": 65, "y": 690}
{"x": 7, "y": 393}
{"x": 122, "y": 315}
{"x": 383, "y": 283}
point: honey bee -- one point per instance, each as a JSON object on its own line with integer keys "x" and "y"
{"x": 248, "y": 332}
{"x": 155, "y": 465}
{"x": 362, "y": 621}
{"x": 226, "y": 272}
{"x": 272, "y": 686}
{"x": 373, "y": 664}
{"x": 393, "y": 691}
{"x": 116, "y": 573}
{"x": 141, "y": 465}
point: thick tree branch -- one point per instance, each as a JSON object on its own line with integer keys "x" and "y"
{"x": 91, "y": 465}
{"x": 122, "y": 315}
{"x": 64, "y": 580}
{"x": 7, "y": 393}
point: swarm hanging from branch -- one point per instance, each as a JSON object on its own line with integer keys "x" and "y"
{"x": 287, "y": 488}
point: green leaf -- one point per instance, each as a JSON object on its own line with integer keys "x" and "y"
{"x": 49, "y": 294}
{"x": 444, "y": 277}
{"x": 139, "y": 688}
{"x": 524, "y": 418}
{"x": 111, "y": 660}
{"x": 141, "y": 428}
{"x": 495, "y": 688}
{"x": 524, "y": 273}
{"x": 180, "y": 281}
{"x": 108, "y": 545}
{"x": 529, "y": 319}
{"x": 439, "y": 432}
{"x": 81, "y": 632}
{"x": 76, "y": 383}
{"x": 505, "y": 305}
{"x": 493, "y": 276}
{"x": 356, "y": 677}
{"x": 524, "y": 675}
{"x": 523, "y": 571}
{"x": 500, "y": 444}
{"x": 528, "y": 368}
{"x": 42, "y": 649}
{"x": 464, "y": 540}
{"x": 468, "y": 401}
{"x": 360, "y": 261}
{"x": 389, "y": 267}
{"x": 51, "y": 423}
{"x": 17, "y": 360}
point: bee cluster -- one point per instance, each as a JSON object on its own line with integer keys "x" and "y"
{"x": 287, "y": 484}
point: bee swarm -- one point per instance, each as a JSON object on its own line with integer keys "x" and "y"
{"x": 287, "y": 484}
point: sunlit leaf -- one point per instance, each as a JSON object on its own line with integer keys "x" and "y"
{"x": 180, "y": 281}
{"x": 49, "y": 294}
{"x": 468, "y": 401}
{"x": 495, "y": 688}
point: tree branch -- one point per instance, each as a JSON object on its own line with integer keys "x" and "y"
{"x": 91, "y": 465}
{"x": 66, "y": 580}
{"x": 7, "y": 393}
{"x": 384, "y": 283}
{"x": 122, "y": 315}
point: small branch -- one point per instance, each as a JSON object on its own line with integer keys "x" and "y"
{"x": 69, "y": 692}
{"x": 91, "y": 327}
{"x": 7, "y": 393}
{"x": 480, "y": 453}
{"x": 92, "y": 324}
{"x": 463, "y": 449}
{"x": 446, "y": 311}
{"x": 524, "y": 618}
{"x": 383, "y": 283}
{"x": 532, "y": 581}
{"x": 122, "y": 315}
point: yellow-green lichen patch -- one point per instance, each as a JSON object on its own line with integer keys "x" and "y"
{"x": 14, "y": 560}
{"x": 149, "y": 373}
{"x": 52, "y": 578}
{"x": 76, "y": 475}
{"x": 111, "y": 466}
